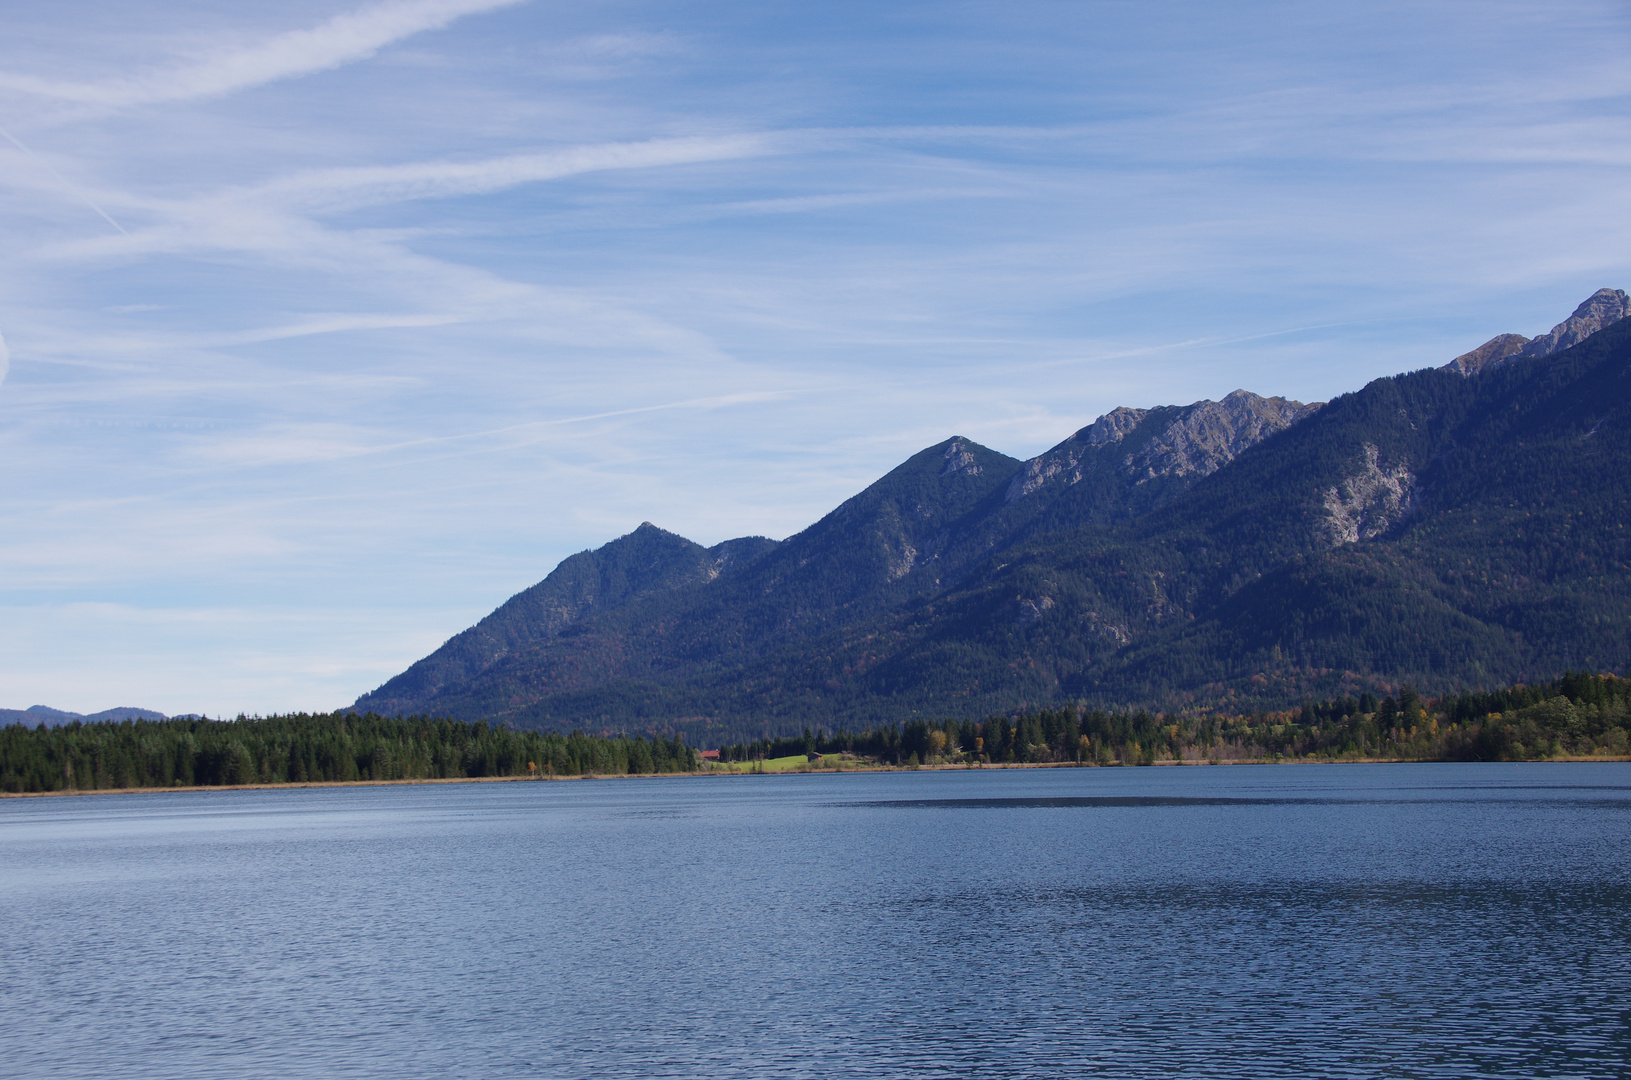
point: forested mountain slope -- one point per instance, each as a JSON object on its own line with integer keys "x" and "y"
{"x": 852, "y": 564}
{"x": 1430, "y": 528}
{"x": 645, "y": 562}
{"x": 1455, "y": 527}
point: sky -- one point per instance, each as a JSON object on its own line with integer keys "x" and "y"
{"x": 328, "y": 326}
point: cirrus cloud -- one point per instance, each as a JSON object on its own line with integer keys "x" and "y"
{"x": 344, "y": 39}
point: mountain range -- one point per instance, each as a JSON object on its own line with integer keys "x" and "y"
{"x": 35, "y": 715}
{"x": 1452, "y": 527}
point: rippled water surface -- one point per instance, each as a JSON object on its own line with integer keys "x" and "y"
{"x": 1430, "y": 920}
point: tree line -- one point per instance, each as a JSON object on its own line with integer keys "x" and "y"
{"x": 305, "y": 747}
{"x": 1579, "y": 715}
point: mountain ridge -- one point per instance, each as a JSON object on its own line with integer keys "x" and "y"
{"x": 1601, "y": 309}
{"x": 1148, "y": 559}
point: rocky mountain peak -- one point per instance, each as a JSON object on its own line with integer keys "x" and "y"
{"x": 1210, "y": 434}
{"x": 1491, "y": 352}
{"x": 1602, "y": 308}
{"x": 1143, "y": 444}
{"x": 959, "y": 459}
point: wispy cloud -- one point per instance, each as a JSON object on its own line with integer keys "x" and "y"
{"x": 278, "y": 224}
{"x": 333, "y": 188}
{"x": 278, "y": 215}
{"x": 285, "y": 444}
{"x": 341, "y": 40}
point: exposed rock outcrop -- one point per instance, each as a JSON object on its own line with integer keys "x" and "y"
{"x": 1213, "y": 433}
{"x": 1031, "y": 610}
{"x": 1369, "y": 503}
{"x": 1493, "y": 351}
{"x": 1113, "y": 426}
{"x": 959, "y": 459}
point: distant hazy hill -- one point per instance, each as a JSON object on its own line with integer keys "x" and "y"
{"x": 35, "y": 715}
{"x": 1458, "y": 526}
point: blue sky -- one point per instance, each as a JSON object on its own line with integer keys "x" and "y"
{"x": 332, "y": 325}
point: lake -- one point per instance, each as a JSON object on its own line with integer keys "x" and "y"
{"x": 1242, "y": 921}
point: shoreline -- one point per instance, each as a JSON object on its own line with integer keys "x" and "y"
{"x": 949, "y": 767}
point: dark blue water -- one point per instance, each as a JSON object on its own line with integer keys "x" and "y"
{"x": 1457, "y": 920}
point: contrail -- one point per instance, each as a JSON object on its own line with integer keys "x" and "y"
{"x": 65, "y": 181}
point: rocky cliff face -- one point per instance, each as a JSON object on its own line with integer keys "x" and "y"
{"x": 1369, "y": 503}
{"x": 1605, "y": 307}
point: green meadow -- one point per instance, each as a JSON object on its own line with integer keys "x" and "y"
{"x": 791, "y": 763}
